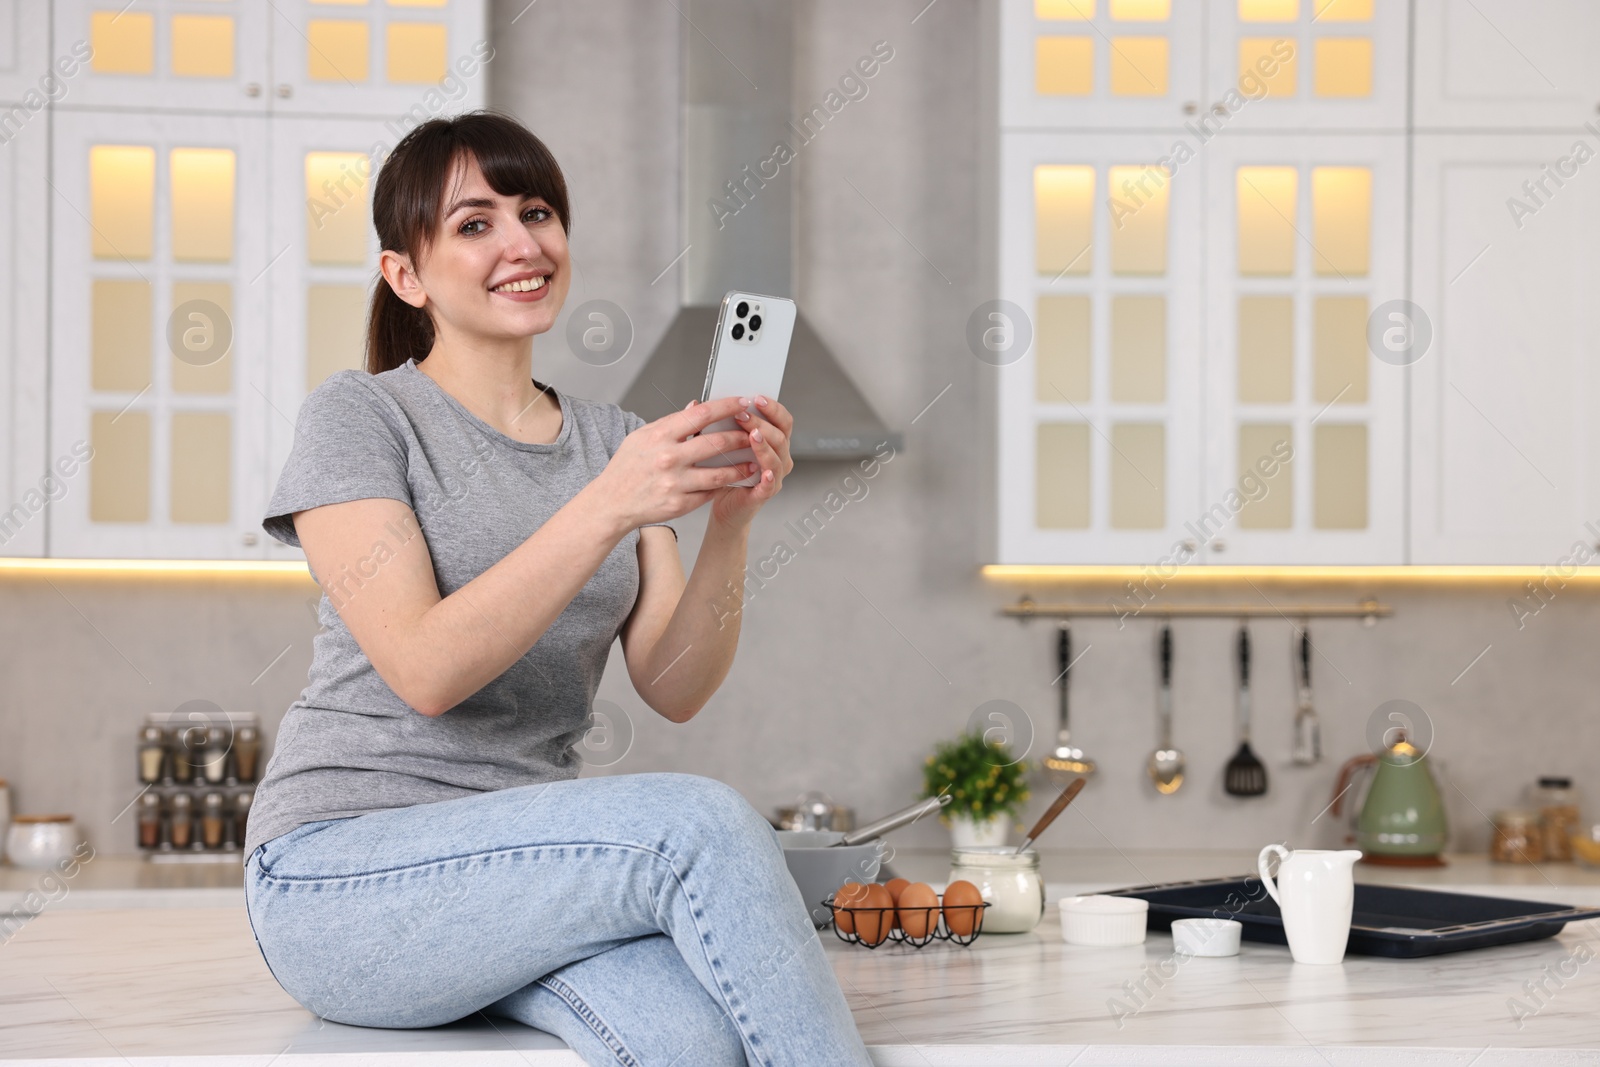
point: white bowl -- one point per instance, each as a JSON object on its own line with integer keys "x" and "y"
{"x": 1206, "y": 937}
{"x": 1101, "y": 921}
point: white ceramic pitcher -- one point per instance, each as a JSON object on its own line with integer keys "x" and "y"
{"x": 1316, "y": 892}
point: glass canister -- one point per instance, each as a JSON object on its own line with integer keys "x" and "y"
{"x": 1010, "y": 884}
{"x": 152, "y": 754}
{"x": 1517, "y": 837}
{"x": 1558, "y": 813}
{"x": 246, "y": 752}
{"x": 213, "y": 765}
{"x": 180, "y": 820}
{"x": 187, "y": 752}
{"x": 212, "y": 814}
{"x": 150, "y": 820}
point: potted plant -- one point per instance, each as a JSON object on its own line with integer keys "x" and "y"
{"x": 987, "y": 788}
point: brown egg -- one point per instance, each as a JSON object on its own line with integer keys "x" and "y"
{"x": 917, "y": 912}
{"x": 849, "y": 895}
{"x": 896, "y": 886}
{"x": 873, "y": 926}
{"x": 960, "y": 910}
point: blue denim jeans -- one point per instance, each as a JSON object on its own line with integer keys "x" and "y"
{"x": 645, "y": 919}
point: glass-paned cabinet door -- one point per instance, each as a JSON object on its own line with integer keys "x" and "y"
{"x": 1506, "y": 64}
{"x": 167, "y": 55}
{"x": 1504, "y": 439}
{"x": 326, "y": 266}
{"x": 1304, "y": 435}
{"x": 403, "y": 60}
{"x": 1099, "y": 63}
{"x": 1099, "y": 251}
{"x": 158, "y": 326}
{"x": 1305, "y": 65}
{"x": 29, "y": 479}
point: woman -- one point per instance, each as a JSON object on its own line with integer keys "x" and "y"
{"x": 421, "y": 849}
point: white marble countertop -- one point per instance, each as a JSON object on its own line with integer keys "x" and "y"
{"x": 181, "y": 984}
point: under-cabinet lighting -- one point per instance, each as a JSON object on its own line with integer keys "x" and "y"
{"x": 181, "y": 568}
{"x": 1442, "y": 574}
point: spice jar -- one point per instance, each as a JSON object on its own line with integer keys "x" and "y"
{"x": 241, "y": 814}
{"x": 246, "y": 752}
{"x": 187, "y": 752}
{"x": 1517, "y": 838}
{"x": 1558, "y": 811}
{"x": 152, "y": 754}
{"x": 214, "y": 756}
{"x": 211, "y": 818}
{"x": 150, "y": 820}
{"x": 1010, "y": 884}
{"x": 180, "y": 829}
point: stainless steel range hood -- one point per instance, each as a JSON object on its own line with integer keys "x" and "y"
{"x": 738, "y": 223}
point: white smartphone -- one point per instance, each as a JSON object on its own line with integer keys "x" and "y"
{"x": 747, "y": 358}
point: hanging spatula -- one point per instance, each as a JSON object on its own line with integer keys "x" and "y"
{"x": 1244, "y": 776}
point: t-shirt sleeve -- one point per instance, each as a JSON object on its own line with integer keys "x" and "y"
{"x": 630, "y": 423}
{"x": 347, "y": 446}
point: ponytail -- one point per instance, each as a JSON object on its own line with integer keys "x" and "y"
{"x": 396, "y": 331}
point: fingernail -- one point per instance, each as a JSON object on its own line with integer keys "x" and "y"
{"x": 743, "y": 416}
{"x": 761, "y": 401}
{"x": 755, "y": 435}
{"x": 689, "y": 405}
{"x": 745, "y": 401}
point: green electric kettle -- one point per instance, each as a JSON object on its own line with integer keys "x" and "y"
{"x": 1400, "y": 821}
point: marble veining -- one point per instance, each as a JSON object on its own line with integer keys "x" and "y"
{"x": 186, "y": 985}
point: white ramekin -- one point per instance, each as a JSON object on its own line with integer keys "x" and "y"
{"x": 1103, "y": 921}
{"x": 1206, "y": 937}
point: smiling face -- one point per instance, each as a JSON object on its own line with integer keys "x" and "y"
{"x": 497, "y": 268}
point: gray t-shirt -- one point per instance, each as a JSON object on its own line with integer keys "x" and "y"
{"x": 349, "y": 745}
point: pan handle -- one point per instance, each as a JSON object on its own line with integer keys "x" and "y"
{"x": 874, "y": 830}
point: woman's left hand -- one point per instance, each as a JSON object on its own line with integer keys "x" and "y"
{"x": 769, "y": 429}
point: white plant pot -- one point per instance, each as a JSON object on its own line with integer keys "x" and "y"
{"x": 965, "y": 833}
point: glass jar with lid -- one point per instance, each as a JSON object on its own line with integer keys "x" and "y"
{"x": 180, "y": 820}
{"x": 150, "y": 820}
{"x": 246, "y": 751}
{"x": 1558, "y": 813}
{"x": 152, "y": 754}
{"x": 1517, "y": 837}
{"x": 1010, "y": 884}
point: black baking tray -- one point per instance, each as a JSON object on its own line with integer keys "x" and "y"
{"x": 1394, "y": 921}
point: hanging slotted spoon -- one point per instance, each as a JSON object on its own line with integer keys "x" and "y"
{"x": 1245, "y": 776}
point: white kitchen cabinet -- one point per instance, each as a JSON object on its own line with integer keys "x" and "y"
{"x": 1100, "y": 249}
{"x": 1304, "y": 239}
{"x": 26, "y": 479}
{"x": 168, "y": 55}
{"x": 324, "y": 267}
{"x": 399, "y": 61}
{"x": 1305, "y": 65}
{"x": 201, "y": 190}
{"x": 159, "y": 332}
{"x": 1506, "y": 64}
{"x": 25, "y": 63}
{"x": 1505, "y": 466}
{"x": 1099, "y": 64}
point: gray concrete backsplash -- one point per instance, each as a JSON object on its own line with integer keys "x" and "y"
{"x": 878, "y": 637}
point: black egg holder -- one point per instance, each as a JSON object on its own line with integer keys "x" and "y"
{"x": 938, "y": 929}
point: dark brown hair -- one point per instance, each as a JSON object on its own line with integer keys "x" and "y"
{"x": 410, "y": 195}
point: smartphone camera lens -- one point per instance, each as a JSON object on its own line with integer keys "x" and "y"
{"x": 755, "y": 322}
{"x": 738, "y": 330}
{"x": 743, "y": 309}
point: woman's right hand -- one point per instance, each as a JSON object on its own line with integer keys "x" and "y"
{"x": 653, "y": 477}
